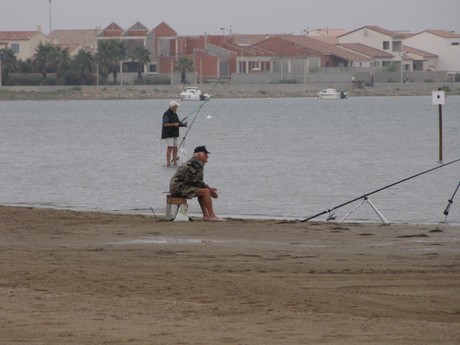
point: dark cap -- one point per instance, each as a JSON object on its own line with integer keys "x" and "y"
{"x": 201, "y": 149}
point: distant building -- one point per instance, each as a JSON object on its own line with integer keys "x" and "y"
{"x": 326, "y": 35}
{"x": 75, "y": 40}
{"x": 443, "y": 44}
{"x": 22, "y": 43}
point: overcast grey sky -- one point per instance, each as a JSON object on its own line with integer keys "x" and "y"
{"x": 195, "y": 17}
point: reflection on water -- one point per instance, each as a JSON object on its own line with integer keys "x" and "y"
{"x": 289, "y": 158}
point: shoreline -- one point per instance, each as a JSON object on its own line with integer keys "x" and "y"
{"x": 160, "y": 217}
{"x": 217, "y": 91}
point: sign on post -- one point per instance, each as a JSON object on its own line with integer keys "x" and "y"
{"x": 439, "y": 97}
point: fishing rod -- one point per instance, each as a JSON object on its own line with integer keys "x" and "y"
{"x": 364, "y": 196}
{"x": 451, "y": 201}
{"x": 197, "y": 111}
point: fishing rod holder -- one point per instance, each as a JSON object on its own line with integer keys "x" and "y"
{"x": 364, "y": 200}
{"x": 450, "y": 202}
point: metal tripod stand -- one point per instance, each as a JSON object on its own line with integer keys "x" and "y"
{"x": 366, "y": 199}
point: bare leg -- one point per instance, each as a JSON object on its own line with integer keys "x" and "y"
{"x": 168, "y": 155}
{"x": 205, "y": 201}
{"x": 171, "y": 150}
{"x": 174, "y": 154}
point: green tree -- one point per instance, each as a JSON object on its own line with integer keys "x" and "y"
{"x": 9, "y": 64}
{"x": 141, "y": 55}
{"x": 61, "y": 59}
{"x": 44, "y": 58}
{"x": 27, "y": 66}
{"x": 109, "y": 54}
{"x": 84, "y": 64}
{"x": 184, "y": 64}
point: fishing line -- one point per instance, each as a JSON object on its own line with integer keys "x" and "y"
{"x": 364, "y": 196}
{"x": 197, "y": 110}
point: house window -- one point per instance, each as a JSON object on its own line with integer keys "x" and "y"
{"x": 265, "y": 65}
{"x": 386, "y": 45}
{"x": 152, "y": 68}
{"x": 455, "y": 43}
{"x": 15, "y": 47}
{"x": 242, "y": 67}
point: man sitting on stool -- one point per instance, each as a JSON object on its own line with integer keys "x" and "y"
{"x": 188, "y": 182}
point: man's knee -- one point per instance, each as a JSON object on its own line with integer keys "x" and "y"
{"x": 203, "y": 192}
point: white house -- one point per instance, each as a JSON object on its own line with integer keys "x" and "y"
{"x": 445, "y": 44}
{"x": 375, "y": 37}
{"x": 22, "y": 43}
{"x": 421, "y": 60}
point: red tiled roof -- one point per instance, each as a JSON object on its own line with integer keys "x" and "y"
{"x": 327, "y": 49}
{"x": 285, "y": 46}
{"x": 17, "y": 35}
{"x": 83, "y": 38}
{"x": 443, "y": 33}
{"x": 365, "y": 50}
{"x": 419, "y": 52}
{"x": 378, "y": 29}
{"x": 250, "y": 39}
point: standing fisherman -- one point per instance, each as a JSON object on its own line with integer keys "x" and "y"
{"x": 170, "y": 132}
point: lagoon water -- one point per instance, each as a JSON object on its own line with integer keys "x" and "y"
{"x": 289, "y": 158}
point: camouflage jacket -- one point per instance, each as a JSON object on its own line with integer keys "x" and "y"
{"x": 188, "y": 178}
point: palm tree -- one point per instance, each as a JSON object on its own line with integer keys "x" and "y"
{"x": 9, "y": 64}
{"x": 44, "y": 58}
{"x": 184, "y": 64}
{"x": 142, "y": 55}
{"x": 61, "y": 59}
{"x": 84, "y": 64}
{"x": 109, "y": 54}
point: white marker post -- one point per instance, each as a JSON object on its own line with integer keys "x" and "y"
{"x": 439, "y": 98}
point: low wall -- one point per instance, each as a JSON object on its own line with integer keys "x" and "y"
{"x": 245, "y": 90}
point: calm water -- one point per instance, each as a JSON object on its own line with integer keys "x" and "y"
{"x": 289, "y": 158}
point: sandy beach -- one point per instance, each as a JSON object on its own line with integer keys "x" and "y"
{"x": 92, "y": 278}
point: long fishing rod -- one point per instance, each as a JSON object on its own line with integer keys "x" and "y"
{"x": 451, "y": 201}
{"x": 378, "y": 190}
{"x": 197, "y": 111}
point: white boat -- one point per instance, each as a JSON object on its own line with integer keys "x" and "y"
{"x": 331, "y": 94}
{"x": 192, "y": 93}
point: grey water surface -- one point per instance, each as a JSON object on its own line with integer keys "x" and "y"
{"x": 289, "y": 157}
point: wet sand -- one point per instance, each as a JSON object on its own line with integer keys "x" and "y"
{"x": 92, "y": 278}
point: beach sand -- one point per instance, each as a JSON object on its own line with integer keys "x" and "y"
{"x": 92, "y": 278}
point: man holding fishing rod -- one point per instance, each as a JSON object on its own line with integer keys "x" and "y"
{"x": 170, "y": 132}
{"x": 188, "y": 182}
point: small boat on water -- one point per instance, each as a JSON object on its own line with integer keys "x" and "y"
{"x": 331, "y": 94}
{"x": 192, "y": 93}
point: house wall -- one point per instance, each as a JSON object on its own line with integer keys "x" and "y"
{"x": 448, "y": 55}
{"x": 206, "y": 66}
{"x": 166, "y": 64}
{"x": 368, "y": 37}
{"x": 27, "y": 47}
